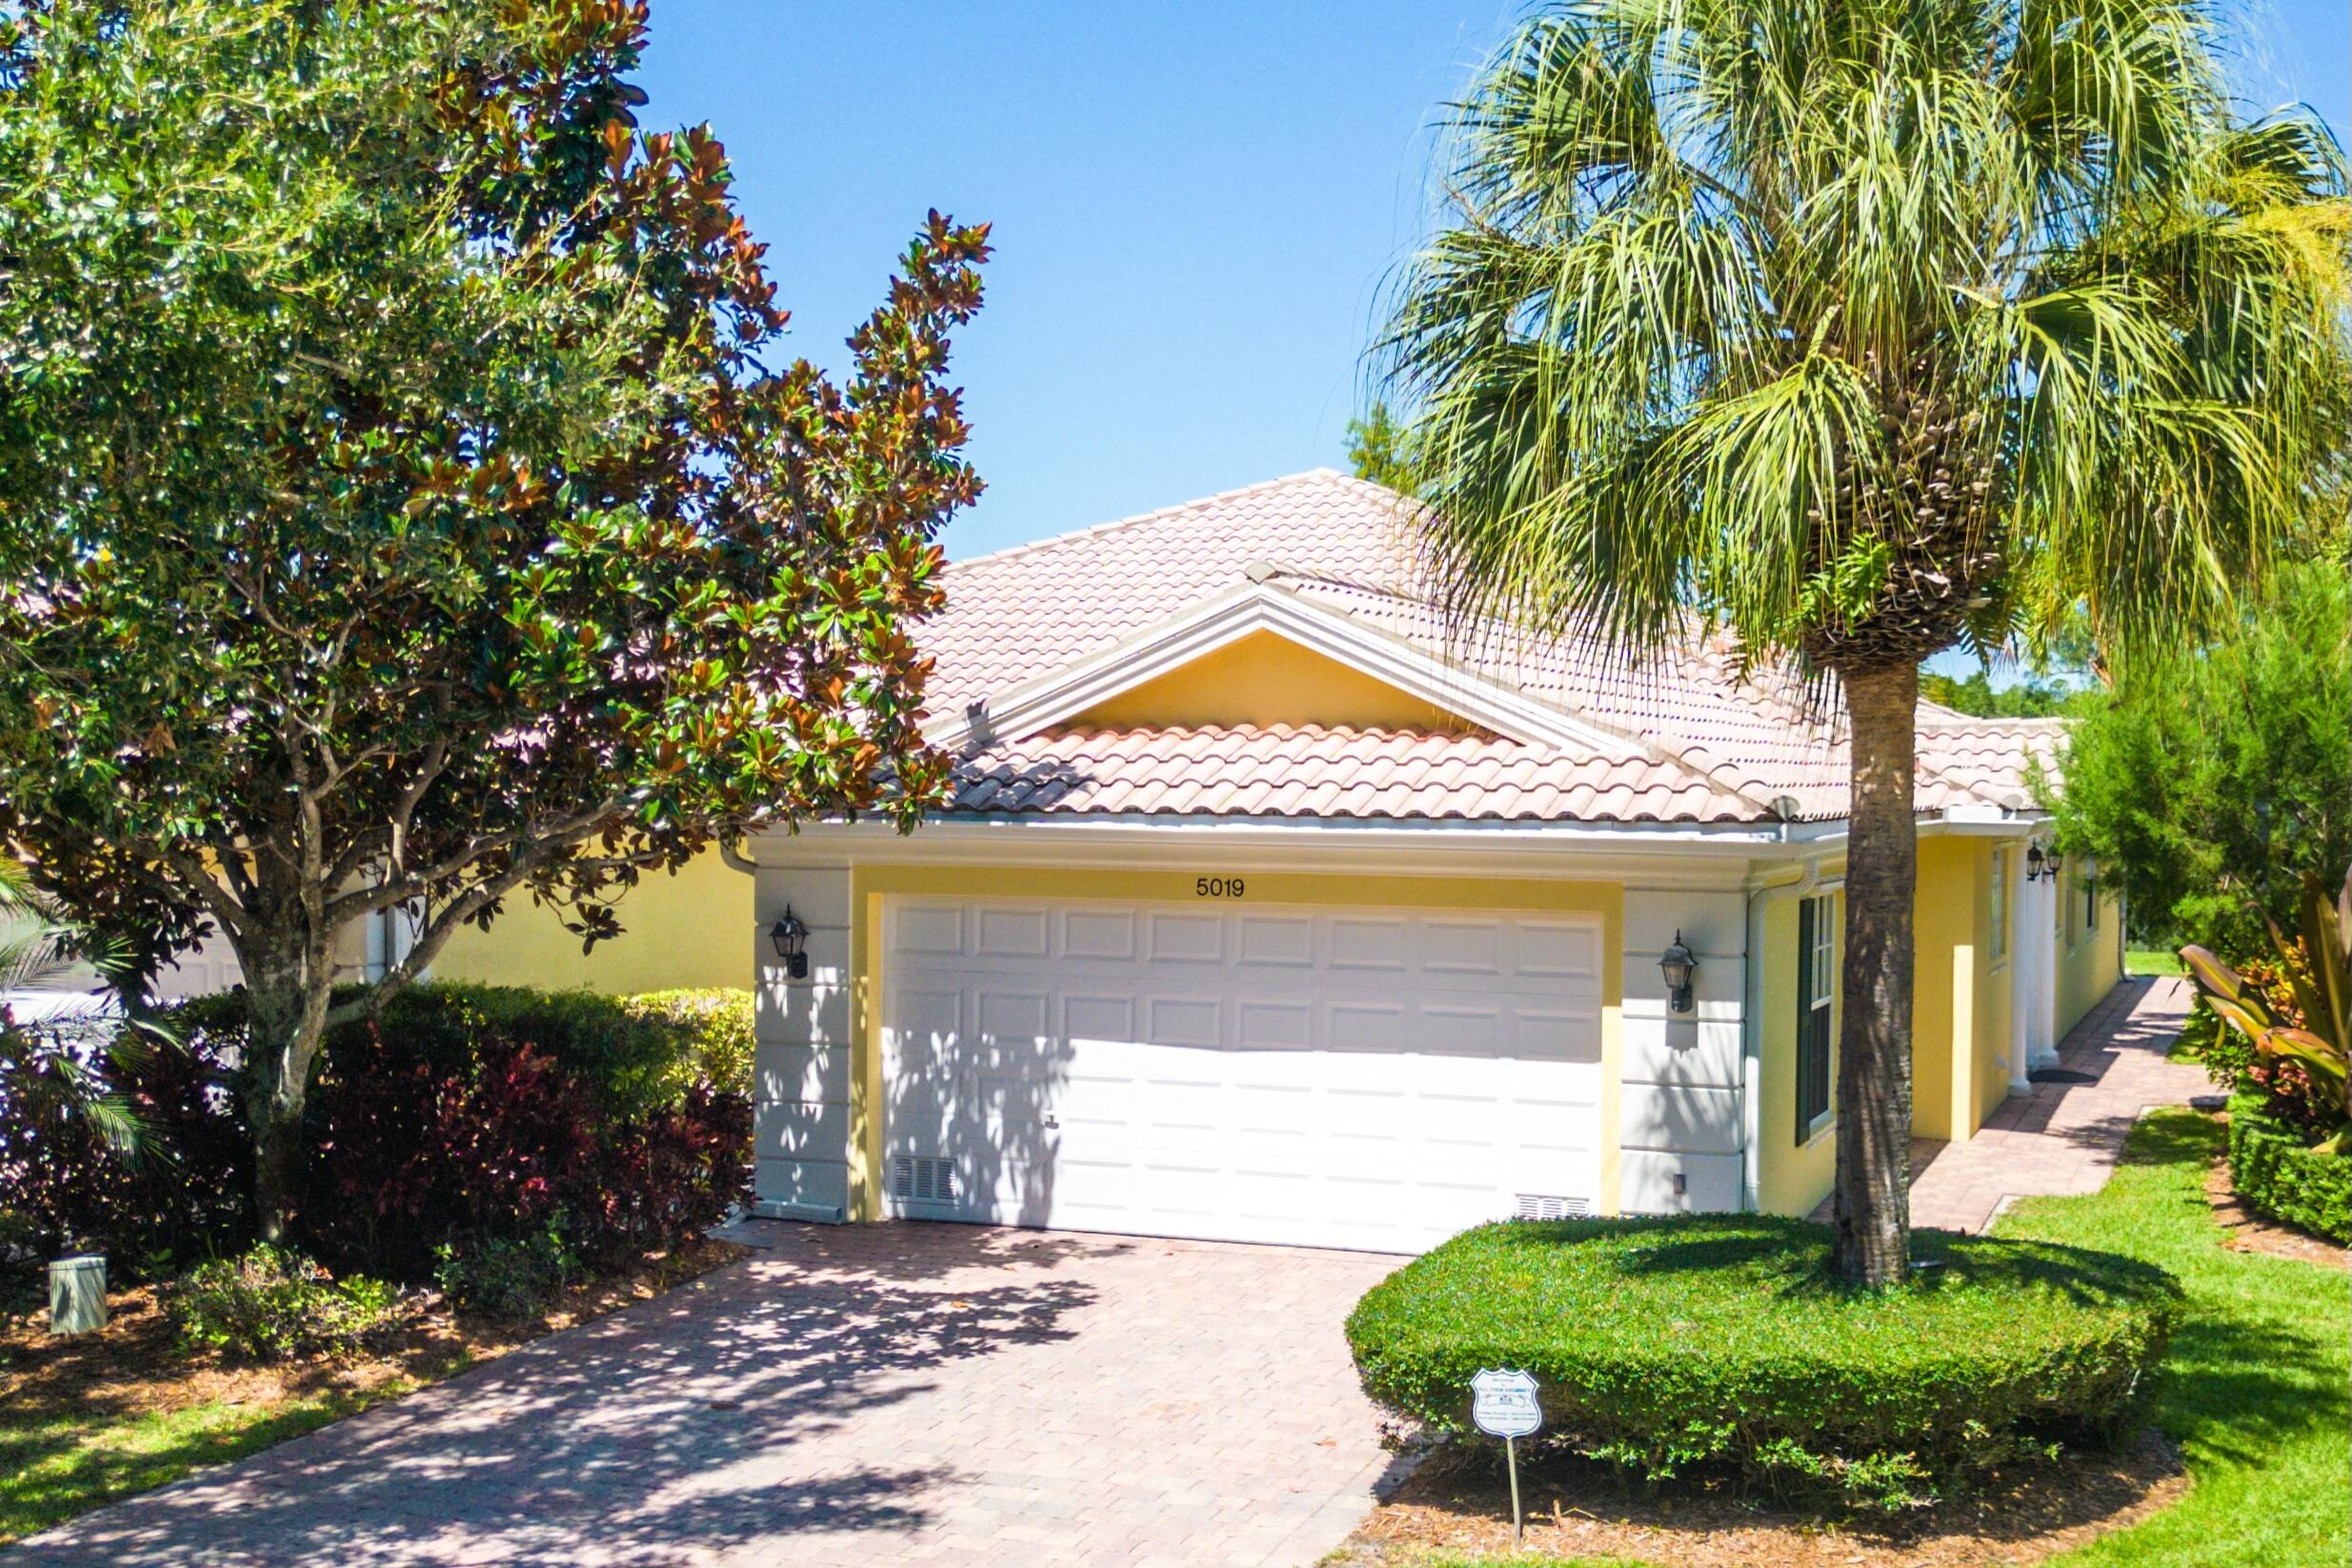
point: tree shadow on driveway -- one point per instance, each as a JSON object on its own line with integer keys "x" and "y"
{"x": 683, "y": 1430}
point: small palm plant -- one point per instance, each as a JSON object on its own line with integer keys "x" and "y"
{"x": 2318, "y": 1045}
{"x": 57, "y": 1041}
{"x": 1863, "y": 330}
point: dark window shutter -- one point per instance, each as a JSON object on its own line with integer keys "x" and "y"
{"x": 1804, "y": 1018}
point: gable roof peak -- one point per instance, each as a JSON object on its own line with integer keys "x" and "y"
{"x": 1200, "y": 505}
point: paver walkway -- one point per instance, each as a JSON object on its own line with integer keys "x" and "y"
{"x": 870, "y": 1394}
{"x": 2064, "y": 1137}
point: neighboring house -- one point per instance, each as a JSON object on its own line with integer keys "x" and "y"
{"x": 1266, "y": 910}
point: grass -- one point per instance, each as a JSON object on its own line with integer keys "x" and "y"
{"x": 56, "y": 1466}
{"x": 2152, "y": 960}
{"x": 2254, "y": 1389}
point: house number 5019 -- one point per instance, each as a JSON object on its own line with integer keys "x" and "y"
{"x": 1217, "y": 887}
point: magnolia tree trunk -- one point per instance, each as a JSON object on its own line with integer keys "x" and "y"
{"x": 1872, "y": 1214}
{"x": 288, "y": 985}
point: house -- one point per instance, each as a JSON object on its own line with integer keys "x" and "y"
{"x": 1265, "y": 910}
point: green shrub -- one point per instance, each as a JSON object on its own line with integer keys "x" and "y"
{"x": 713, "y": 1030}
{"x": 268, "y": 1306}
{"x": 637, "y": 1053}
{"x": 1661, "y": 1344}
{"x": 498, "y": 1277}
{"x": 2275, "y": 1169}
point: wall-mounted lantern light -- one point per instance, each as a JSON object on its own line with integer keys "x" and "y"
{"x": 2035, "y": 862}
{"x": 790, "y": 939}
{"x": 1678, "y": 964}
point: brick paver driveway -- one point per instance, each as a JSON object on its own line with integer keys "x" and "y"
{"x": 870, "y": 1394}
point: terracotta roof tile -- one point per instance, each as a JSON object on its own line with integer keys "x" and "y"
{"x": 1314, "y": 770}
{"x": 1698, "y": 741}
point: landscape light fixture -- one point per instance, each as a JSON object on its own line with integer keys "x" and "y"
{"x": 791, "y": 937}
{"x": 1678, "y": 964}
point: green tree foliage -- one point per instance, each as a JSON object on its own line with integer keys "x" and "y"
{"x": 401, "y": 509}
{"x": 1375, "y": 450}
{"x": 1868, "y": 330}
{"x": 2032, "y": 698}
{"x": 2213, "y": 780}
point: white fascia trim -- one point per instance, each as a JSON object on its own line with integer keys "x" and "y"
{"x": 1248, "y": 608}
{"x": 1656, "y": 858}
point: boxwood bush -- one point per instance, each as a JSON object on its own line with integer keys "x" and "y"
{"x": 2278, "y": 1173}
{"x": 1722, "y": 1340}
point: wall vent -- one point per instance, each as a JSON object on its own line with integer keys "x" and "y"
{"x": 1544, "y": 1206}
{"x": 922, "y": 1179}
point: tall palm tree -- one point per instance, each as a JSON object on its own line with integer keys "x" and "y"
{"x": 1863, "y": 329}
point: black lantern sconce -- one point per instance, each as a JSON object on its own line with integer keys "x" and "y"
{"x": 790, "y": 936}
{"x": 1678, "y": 964}
{"x": 2037, "y": 863}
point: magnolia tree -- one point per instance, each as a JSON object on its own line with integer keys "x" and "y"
{"x": 401, "y": 510}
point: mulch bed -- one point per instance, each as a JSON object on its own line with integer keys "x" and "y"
{"x": 134, "y": 1365}
{"x": 2247, "y": 1231}
{"x": 1462, "y": 1504}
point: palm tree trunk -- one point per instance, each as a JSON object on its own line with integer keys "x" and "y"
{"x": 1872, "y": 1214}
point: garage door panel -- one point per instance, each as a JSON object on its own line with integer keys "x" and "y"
{"x": 1013, "y": 933}
{"x": 1368, "y": 1026}
{"x": 1460, "y": 1031}
{"x": 1194, "y": 1021}
{"x": 1462, "y": 947}
{"x": 1184, "y": 938}
{"x": 1360, "y": 943}
{"x": 1556, "y": 1036}
{"x": 927, "y": 929}
{"x": 1264, "y": 1024}
{"x": 1277, "y": 941}
{"x": 1099, "y": 934}
{"x": 1359, "y": 1078}
{"x": 1560, "y": 949}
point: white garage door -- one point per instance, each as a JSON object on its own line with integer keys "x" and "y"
{"x": 1372, "y": 1079}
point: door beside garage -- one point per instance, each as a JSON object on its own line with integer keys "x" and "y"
{"x": 1310, "y": 1075}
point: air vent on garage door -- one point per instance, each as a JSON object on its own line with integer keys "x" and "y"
{"x": 922, "y": 1179}
{"x": 1542, "y": 1206}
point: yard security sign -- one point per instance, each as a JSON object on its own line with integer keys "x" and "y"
{"x": 1503, "y": 1404}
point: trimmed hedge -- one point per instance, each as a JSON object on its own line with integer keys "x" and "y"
{"x": 2277, "y": 1173}
{"x": 1661, "y": 1344}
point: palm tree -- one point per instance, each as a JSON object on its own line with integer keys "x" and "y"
{"x": 1863, "y": 329}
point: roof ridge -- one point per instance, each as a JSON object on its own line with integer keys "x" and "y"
{"x": 1156, "y": 514}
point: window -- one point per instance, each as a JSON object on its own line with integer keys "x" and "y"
{"x": 2090, "y": 896}
{"x": 1816, "y": 990}
{"x": 2000, "y": 905}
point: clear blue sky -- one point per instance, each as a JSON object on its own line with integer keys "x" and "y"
{"x": 1195, "y": 205}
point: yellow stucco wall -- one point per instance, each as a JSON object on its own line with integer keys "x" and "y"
{"x": 1266, "y": 678}
{"x": 1791, "y": 1178}
{"x": 2090, "y": 959}
{"x": 1960, "y": 1020}
{"x": 691, "y": 929}
{"x": 1961, "y": 1005}
{"x": 870, "y": 885}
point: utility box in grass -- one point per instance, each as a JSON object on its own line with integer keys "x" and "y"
{"x": 77, "y": 1294}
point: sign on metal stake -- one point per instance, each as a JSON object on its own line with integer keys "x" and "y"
{"x": 1503, "y": 1404}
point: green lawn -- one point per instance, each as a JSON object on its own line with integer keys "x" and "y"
{"x": 53, "y": 1466}
{"x": 2152, "y": 960}
{"x": 2254, "y": 1389}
